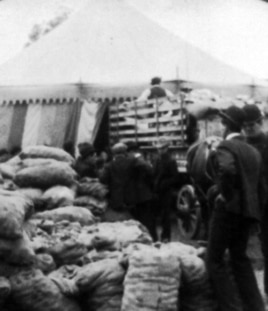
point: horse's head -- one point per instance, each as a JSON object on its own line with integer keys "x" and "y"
{"x": 197, "y": 161}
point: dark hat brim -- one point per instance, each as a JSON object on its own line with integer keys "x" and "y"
{"x": 227, "y": 117}
{"x": 254, "y": 120}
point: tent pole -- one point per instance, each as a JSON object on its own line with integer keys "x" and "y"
{"x": 178, "y": 90}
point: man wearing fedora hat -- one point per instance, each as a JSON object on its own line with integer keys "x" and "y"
{"x": 253, "y": 129}
{"x": 237, "y": 168}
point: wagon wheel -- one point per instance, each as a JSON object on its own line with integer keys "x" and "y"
{"x": 188, "y": 213}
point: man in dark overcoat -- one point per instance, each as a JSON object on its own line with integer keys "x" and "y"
{"x": 117, "y": 175}
{"x": 255, "y": 136}
{"x": 143, "y": 185}
{"x": 238, "y": 175}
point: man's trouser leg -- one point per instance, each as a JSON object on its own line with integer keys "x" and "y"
{"x": 147, "y": 216}
{"x": 218, "y": 242}
{"x": 264, "y": 245}
{"x": 241, "y": 266}
{"x": 166, "y": 201}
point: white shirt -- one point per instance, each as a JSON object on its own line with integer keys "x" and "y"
{"x": 232, "y": 135}
{"x": 146, "y": 93}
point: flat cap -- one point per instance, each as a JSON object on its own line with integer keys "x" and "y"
{"x": 119, "y": 148}
{"x": 162, "y": 143}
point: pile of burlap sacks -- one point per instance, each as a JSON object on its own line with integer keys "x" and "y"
{"x": 56, "y": 253}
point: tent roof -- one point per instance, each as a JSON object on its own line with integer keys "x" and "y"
{"x": 110, "y": 43}
{"x": 235, "y": 31}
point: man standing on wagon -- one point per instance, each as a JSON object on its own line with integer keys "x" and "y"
{"x": 238, "y": 175}
{"x": 155, "y": 91}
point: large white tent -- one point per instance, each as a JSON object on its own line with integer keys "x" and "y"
{"x": 110, "y": 49}
{"x": 234, "y": 31}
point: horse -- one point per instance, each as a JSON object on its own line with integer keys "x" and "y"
{"x": 201, "y": 175}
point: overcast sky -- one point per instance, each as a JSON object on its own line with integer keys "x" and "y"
{"x": 17, "y": 18}
{"x": 235, "y": 31}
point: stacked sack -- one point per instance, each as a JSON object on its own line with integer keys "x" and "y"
{"x": 31, "y": 290}
{"x": 55, "y": 254}
{"x": 152, "y": 281}
{"x": 5, "y": 289}
{"x": 101, "y": 285}
{"x": 36, "y": 169}
{"x": 46, "y": 175}
{"x": 196, "y": 292}
{"x": 74, "y": 243}
{"x": 15, "y": 246}
{"x": 92, "y": 195}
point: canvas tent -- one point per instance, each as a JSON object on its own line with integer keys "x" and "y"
{"x": 109, "y": 44}
{"x": 234, "y": 31}
{"x": 106, "y": 50}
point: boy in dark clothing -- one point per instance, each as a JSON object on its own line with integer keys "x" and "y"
{"x": 165, "y": 177}
{"x": 85, "y": 165}
{"x": 143, "y": 185}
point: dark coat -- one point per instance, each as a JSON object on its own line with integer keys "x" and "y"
{"x": 143, "y": 181}
{"x": 260, "y": 142}
{"x": 86, "y": 167}
{"x": 156, "y": 92}
{"x": 117, "y": 175}
{"x": 238, "y": 174}
{"x": 165, "y": 173}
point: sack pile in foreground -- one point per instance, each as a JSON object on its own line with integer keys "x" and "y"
{"x": 57, "y": 255}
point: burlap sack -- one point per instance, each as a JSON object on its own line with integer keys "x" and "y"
{"x": 101, "y": 285}
{"x": 92, "y": 187}
{"x": 66, "y": 272}
{"x": 46, "y": 176}
{"x": 45, "y": 263}
{"x": 196, "y": 292}
{"x": 7, "y": 270}
{"x": 37, "y": 162}
{"x": 31, "y": 290}
{"x": 67, "y": 252}
{"x": 70, "y": 213}
{"x": 47, "y": 153}
{"x": 95, "y": 255}
{"x": 4, "y": 290}
{"x": 58, "y": 196}
{"x": 118, "y": 235}
{"x": 96, "y": 206}
{"x": 14, "y": 209}
{"x": 9, "y": 185}
{"x": 67, "y": 287}
{"x": 19, "y": 251}
{"x": 7, "y": 171}
{"x": 152, "y": 281}
{"x": 33, "y": 194}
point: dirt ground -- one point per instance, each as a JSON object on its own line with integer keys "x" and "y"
{"x": 254, "y": 248}
{"x": 255, "y": 254}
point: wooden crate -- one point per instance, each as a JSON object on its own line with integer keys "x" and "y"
{"x": 147, "y": 121}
